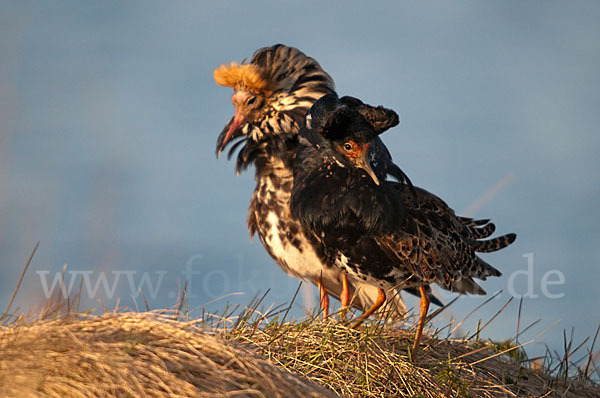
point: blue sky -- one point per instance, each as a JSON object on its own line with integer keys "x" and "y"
{"x": 109, "y": 117}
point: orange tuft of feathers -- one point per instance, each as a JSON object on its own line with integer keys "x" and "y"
{"x": 245, "y": 77}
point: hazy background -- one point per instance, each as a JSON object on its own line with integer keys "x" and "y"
{"x": 109, "y": 117}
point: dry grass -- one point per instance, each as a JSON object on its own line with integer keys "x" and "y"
{"x": 152, "y": 354}
{"x": 64, "y": 353}
{"x": 375, "y": 362}
{"x": 135, "y": 355}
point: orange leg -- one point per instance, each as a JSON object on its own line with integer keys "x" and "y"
{"x": 344, "y": 297}
{"x": 422, "y": 316}
{"x": 324, "y": 298}
{"x": 378, "y": 303}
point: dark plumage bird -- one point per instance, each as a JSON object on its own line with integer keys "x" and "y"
{"x": 272, "y": 93}
{"x": 376, "y": 230}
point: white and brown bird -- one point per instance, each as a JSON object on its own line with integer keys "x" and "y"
{"x": 376, "y": 230}
{"x": 272, "y": 93}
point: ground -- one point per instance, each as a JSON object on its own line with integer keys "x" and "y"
{"x": 157, "y": 354}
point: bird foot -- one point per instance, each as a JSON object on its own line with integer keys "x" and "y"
{"x": 378, "y": 303}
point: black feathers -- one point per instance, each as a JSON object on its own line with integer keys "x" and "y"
{"x": 330, "y": 121}
{"x": 337, "y": 118}
{"x": 381, "y": 232}
{"x": 267, "y": 138}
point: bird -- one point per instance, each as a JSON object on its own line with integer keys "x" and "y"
{"x": 272, "y": 93}
{"x": 377, "y": 230}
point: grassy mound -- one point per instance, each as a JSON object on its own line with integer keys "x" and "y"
{"x": 153, "y": 354}
{"x": 135, "y": 355}
{"x": 375, "y": 362}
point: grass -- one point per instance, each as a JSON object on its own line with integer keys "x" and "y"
{"x": 149, "y": 354}
{"x": 375, "y": 362}
{"x": 243, "y": 352}
{"x": 155, "y": 354}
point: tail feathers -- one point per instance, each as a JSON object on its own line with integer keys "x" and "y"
{"x": 492, "y": 245}
{"x": 482, "y": 232}
{"x": 470, "y": 222}
{"x": 483, "y": 270}
{"x": 477, "y": 229}
{"x": 463, "y": 282}
{"x": 466, "y": 285}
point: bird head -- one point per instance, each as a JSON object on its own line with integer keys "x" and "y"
{"x": 272, "y": 93}
{"x": 349, "y": 126}
{"x": 251, "y": 92}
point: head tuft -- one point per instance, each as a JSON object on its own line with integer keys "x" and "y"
{"x": 337, "y": 118}
{"x": 245, "y": 77}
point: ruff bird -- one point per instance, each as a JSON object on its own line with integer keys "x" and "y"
{"x": 272, "y": 93}
{"x": 375, "y": 230}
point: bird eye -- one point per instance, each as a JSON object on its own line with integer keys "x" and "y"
{"x": 348, "y": 146}
{"x": 251, "y": 101}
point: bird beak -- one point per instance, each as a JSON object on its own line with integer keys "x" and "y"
{"x": 238, "y": 99}
{"x": 363, "y": 163}
{"x": 234, "y": 124}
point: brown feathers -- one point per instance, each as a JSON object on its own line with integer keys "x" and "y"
{"x": 246, "y": 77}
